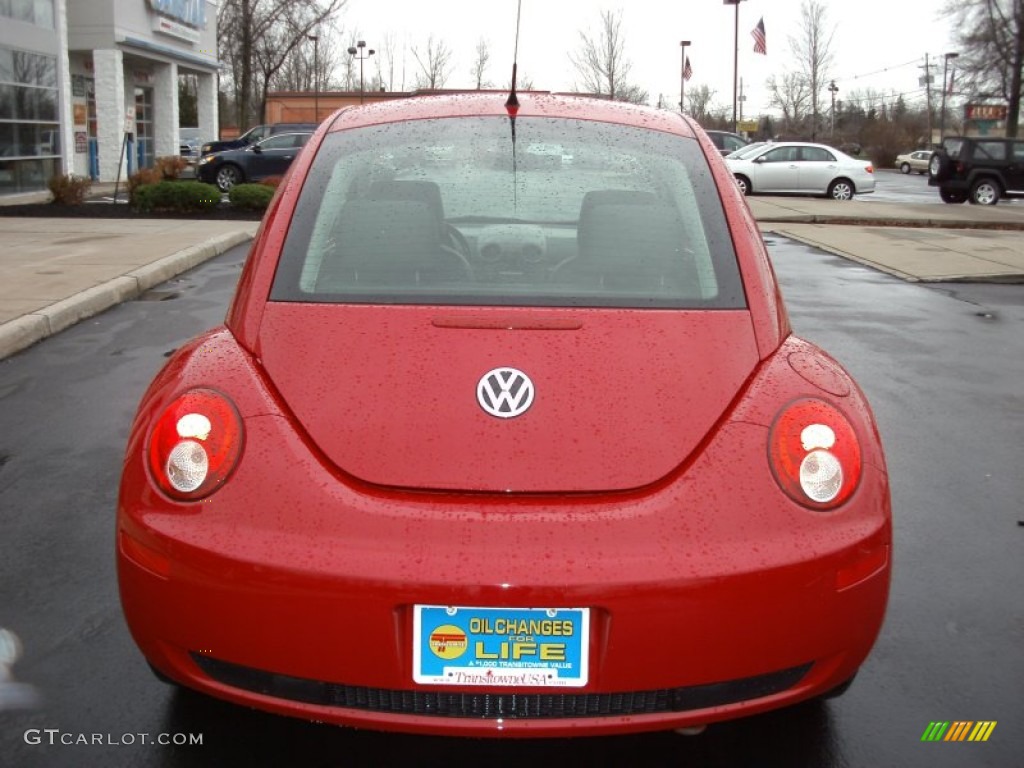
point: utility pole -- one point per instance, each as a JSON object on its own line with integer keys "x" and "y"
{"x": 942, "y": 111}
{"x": 928, "y": 95}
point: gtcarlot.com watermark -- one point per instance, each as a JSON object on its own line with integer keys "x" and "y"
{"x": 57, "y": 737}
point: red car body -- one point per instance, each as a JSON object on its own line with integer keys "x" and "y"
{"x": 647, "y": 487}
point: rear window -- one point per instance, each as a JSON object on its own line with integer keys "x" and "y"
{"x": 953, "y": 146}
{"x": 816, "y": 155}
{"x": 993, "y": 150}
{"x": 450, "y": 211}
{"x": 732, "y": 143}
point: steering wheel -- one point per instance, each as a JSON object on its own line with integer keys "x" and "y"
{"x": 457, "y": 244}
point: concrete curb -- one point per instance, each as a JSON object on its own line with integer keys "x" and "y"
{"x": 24, "y": 331}
{"x": 871, "y": 221}
{"x": 810, "y": 241}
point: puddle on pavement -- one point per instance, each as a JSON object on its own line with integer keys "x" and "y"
{"x": 158, "y": 296}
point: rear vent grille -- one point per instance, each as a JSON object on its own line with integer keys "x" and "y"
{"x": 525, "y": 706}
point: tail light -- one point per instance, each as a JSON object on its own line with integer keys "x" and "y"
{"x": 195, "y": 444}
{"x": 814, "y": 454}
{"x": 869, "y": 168}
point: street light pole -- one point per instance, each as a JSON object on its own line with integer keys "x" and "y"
{"x": 942, "y": 109}
{"x": 735, "y": 56}
{"x": 833, "y": 89}
{"x": 682, "y": 75}
{"x": 360, "y": 48}
{"x": 316, "y": 77}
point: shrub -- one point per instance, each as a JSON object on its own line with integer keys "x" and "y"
{"x": 170, "y": 166}
{"x": 140, "y": 179}
{"x": 180, "y": 196}
{"x": 251, "y": 197}
{"x": 68, "y": 189}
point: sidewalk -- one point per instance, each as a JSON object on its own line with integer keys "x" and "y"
{"x": 915, "y": 242}
{"x": 57, "y": 272}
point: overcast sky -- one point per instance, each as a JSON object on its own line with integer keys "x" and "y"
{"x": 878, "y": 44}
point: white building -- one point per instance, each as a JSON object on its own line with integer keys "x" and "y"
{"x": 90, "y": 87}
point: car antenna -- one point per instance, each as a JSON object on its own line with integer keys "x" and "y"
{"x": 512, "y": 103}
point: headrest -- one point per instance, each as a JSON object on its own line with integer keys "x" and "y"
{"x": 412, "y": 190}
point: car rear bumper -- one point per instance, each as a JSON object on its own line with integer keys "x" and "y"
{"x": 304, "y": 605}
{"x": 666, "y": 657}
{"x": 950, "y": 185}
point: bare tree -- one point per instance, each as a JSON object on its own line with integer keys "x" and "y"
{"x": 434, "y": 62}
{"x": 523, "y": 83}
{"x": 812, "y": 48}
{"x": 698, "y": 100}
{"x": 256, "y": 37}
{"x": 310, "y": 66}
{"x": 479, "y": 68}
{"x": 350, "y": 64}
{"x": 386, "y": 61}
{"x": 791, "y": 95}
{"x": 991, "y": 38}
{"x": 633, "y": 93}
{"x": 602, "y": 64}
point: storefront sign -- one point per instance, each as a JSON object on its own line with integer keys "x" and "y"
{"x": 986, "y": 111}
{"x": 170, "y": 27}
{"x": 81, "y": 113}
{"x": 81, "y": 142}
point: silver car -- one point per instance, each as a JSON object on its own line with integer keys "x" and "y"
{"x": 190, "y": 140}
{"x": 801, "y": 168}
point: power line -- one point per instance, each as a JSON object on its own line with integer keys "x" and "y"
{"x": 880, "y": 71}
{"x": 884, "y": 98}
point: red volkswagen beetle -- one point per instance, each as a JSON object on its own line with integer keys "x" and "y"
{"x": 506, "y": 434}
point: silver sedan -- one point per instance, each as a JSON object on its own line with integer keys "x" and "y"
{"x": 802, "y": 168}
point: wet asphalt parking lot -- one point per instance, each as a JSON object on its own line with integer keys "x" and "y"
{"x": 942, "y": 366}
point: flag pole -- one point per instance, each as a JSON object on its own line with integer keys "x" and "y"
{"x": 735, "y": 61}
{"x": 735, "y": 56}
{"x": 682, "y": 75}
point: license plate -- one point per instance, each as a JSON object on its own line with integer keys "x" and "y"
{"x": 515, "y": 647}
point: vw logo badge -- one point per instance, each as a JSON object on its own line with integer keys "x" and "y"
{"x": 505, "y": 392}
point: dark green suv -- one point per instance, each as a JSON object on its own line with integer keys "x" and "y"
{"x": 980, "y": 169}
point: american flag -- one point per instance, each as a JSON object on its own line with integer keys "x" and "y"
{"x": 760, "y": 43}
{"x": 687, "y": 69}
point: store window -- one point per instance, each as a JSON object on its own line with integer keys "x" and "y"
{"x": 144, "y": 126}
{"x": 38, "y": 12}
{"x": 29, "y": 128}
